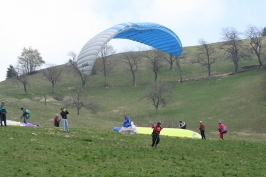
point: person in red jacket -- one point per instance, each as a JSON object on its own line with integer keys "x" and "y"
{"x": 56, "y": 120}
{"x": 222, "y": 130}
{"x": 156, "y": 134}
{"x": 202, "y": 130}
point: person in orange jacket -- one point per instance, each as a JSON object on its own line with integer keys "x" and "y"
{"x": 222, "y": 130}
{"x": 156, "y": 134}
{"x": 202, "y": 130}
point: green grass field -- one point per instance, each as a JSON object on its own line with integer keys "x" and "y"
{"x": 27, "y": 151}
{"x": 95, "y": 150}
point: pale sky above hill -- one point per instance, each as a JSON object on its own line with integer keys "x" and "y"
{"x": 56, "y": 27}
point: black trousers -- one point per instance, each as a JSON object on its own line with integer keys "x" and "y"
{"x": 3, "y": 118}
{"x": 155, "y": 139}
{"x": 56, "y": 124}
{"x": 202, "y": 132}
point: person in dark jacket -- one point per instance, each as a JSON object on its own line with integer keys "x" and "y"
{"x": 156, "y": 134}
{"x": 63, "y": 114}
{"x": 182, "y": 124}
{"x": 3, "y": 112}
{"x": 202, "y": 130}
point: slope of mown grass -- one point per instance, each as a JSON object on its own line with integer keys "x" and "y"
{"x": 27, "y": 151}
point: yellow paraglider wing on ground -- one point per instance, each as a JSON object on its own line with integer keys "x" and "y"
{"x": 171, "y": 132}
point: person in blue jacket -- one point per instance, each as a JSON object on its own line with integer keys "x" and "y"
{"x": 127, "y": 122}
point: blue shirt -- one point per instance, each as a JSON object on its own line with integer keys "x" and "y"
{"x": 127, "y": 122}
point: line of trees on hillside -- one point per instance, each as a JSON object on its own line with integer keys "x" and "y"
{"x": 233, "y": 47}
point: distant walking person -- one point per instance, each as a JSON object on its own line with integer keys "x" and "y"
{"x": 222, "y": 130}
{"x": 25, "y": 115}
{"x": 56, "y": 120}
{"x": 182, "y": 124}
{"x": 63, "y": 114}
{"x": 156, "y": 134}
{"x": 202, "y": 130}
{"x": 3, "y": 112}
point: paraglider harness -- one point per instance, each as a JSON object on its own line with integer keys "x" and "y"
{"x": 183, "y": 125}
{"x": 26, "y": 114}
{"x": 223, "y": 129}
{"x": 156, "y": 130}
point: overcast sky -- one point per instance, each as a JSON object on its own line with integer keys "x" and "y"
{"x": 56, "y": 27}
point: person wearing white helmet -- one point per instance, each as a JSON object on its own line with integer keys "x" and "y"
{"x": 56, "y": 120}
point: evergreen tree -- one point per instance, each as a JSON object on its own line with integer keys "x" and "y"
{"x": 11, "y": 72}
{"x": 264, "y": 31}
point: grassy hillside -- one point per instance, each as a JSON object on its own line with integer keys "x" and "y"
{"x": 237, "y": 100}
{"x": 92, "y": 148}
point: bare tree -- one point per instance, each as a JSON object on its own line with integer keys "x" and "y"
{"x": 45, "y": 96}
{"x": 75, "y": 69}
{"x": 154, "y": 57}
{"x": 159, "y": 93}
{"x": 179, "y": 68}
{"x": 22, "y": 77}
{"x": 132, "y": 59}
{"x": 232, "y": 46}
{"x": 96, "y": 66}
{"x": 53, "y": 74}
{"x": 107, "y": 67}
{"x": 177, "y": 60}
{"x": 206, "y": 55}
{"x": 79, "y": 101}
{"x": 170, "y": 59}
{"x": 255, "y": 36}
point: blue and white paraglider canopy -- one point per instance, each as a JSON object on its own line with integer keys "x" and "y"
{"x": 151, "y": 34}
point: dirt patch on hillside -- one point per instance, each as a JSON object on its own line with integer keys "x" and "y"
{"x": 26, "y": 100}
{"x": 36, "y": 98}
{"x": 10, "y": 100}
{"x": 67, "y": 98}
{"x": 49, "y": 99}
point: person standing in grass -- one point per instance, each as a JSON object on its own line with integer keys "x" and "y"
{"x": 222, "y": 130}
{"x": 56, "y": 120}
{"x": 156, "y": 134}
{"x": 3, "y": 112}
{"x": 202, "y": 130}
{"x": 26, "y": 115}
{"x": 63, "y": 114}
